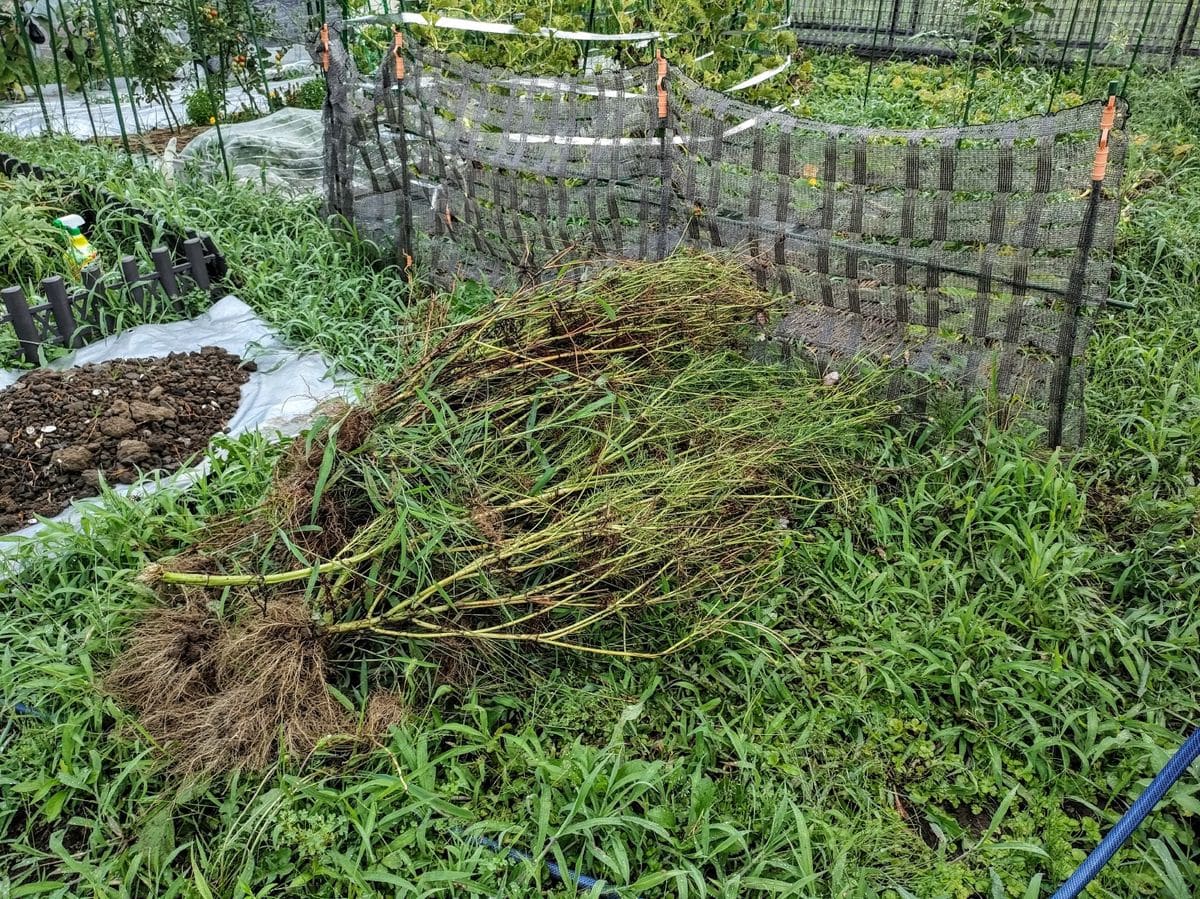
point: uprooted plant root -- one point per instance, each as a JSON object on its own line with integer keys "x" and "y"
{"x": 169, "y": 660}
{"x": 587, "y": 467}
{"x": 223, "y": 695}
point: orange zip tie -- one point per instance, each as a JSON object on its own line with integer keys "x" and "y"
{"x": 660, "y": 84}
{"x": 1107, "y": 118}
{"x": 398, "y": 50}
{"x": 325, "y": 46}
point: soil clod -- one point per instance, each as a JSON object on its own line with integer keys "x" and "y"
{"x": 65, "y": 429}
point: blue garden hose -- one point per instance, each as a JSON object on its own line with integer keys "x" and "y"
{"x": 1130, "y": 821}
{"x": 581, "y": 881}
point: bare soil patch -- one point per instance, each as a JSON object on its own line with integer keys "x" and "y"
{"x": 61, "y": 431}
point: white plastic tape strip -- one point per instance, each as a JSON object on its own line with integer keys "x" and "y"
{"x": 456, "y": 24}
{"x": 760, "y": 77}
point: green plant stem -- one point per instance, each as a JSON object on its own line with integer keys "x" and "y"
{"x": 275, "y": 578}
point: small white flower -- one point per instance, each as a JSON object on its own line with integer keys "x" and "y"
{"x": 831, "y": 378}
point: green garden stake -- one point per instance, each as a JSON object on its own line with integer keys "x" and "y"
{"x": 127, "y": 66}
{"x": 973, "y": 73}
{"x": 591, "y": 26}
{"x": 223, "y": 80}
{"x": 1062, "y": 57}
{"x": 258, "y": 52}
{"x": 195, "y": 17}
{"x": 871, "y": 59}
{"x": 79, "y": 71}
{"x": 62, "y": 90}
{"x": 1137, "y": 47}
{"x": 1087, "y": 63}
{"x": 112, "y": 79}
{"x": 19, "y": 21}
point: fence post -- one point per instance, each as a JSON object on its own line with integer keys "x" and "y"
{"x": 667, "y": 143}
{"x": 193, "y": 251}
{"x": 22, "y": 322}
{"x": 1182, "y": 37}
{"x": 131, "y": 276}
{"x": 339, "y": 73}
{"x": 93, "y": 285}
{"x": 258, "y": 52}
{"x": 393, "y": 104}
{"x": 591, "y": 26}
{"x": 895, "y": 24}
{"x": 1060, "y": 383}
{"x": 60, "y": 307}
{"x": 1137, "y": 47}
{"x": 164, "y": 267}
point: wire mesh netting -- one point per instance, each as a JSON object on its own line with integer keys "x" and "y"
{"x": 974, "y": 255}
{"x": 1159, "y": 31}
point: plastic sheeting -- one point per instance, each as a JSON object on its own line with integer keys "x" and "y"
{"x": 280, "y": 399}
{"x": 100, "y": 114}
{"x": 283, "y": 151}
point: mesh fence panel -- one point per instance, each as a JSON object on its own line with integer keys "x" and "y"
{"x": 1167, "y": 29}
{"x": 974, "y": 255}
{"x": 962, "y": 252}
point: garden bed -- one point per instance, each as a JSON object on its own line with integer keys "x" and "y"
{"x": 62, "y": 431}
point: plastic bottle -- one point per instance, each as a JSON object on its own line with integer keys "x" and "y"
{"x": 80, "y": 253}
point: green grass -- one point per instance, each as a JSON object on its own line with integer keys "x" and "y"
{"x": 985, "y": 651}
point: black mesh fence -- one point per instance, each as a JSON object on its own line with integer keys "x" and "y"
{"x": 1160, "y": 32}
{"x": 974, "y": 256}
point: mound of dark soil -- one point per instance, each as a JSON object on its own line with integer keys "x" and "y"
{"x": 60, "y": 431}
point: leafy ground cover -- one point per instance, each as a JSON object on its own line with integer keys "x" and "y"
{"x": 982, "y": 651}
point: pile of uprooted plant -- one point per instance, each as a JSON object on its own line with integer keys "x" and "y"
{"x": 589, "y": 466}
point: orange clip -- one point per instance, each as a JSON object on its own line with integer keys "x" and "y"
{"x": 1107, "y": 118}
{"x": 398, "y": 51}
{"x": 325, "y": 46}
{"x": 660, "y": 84}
